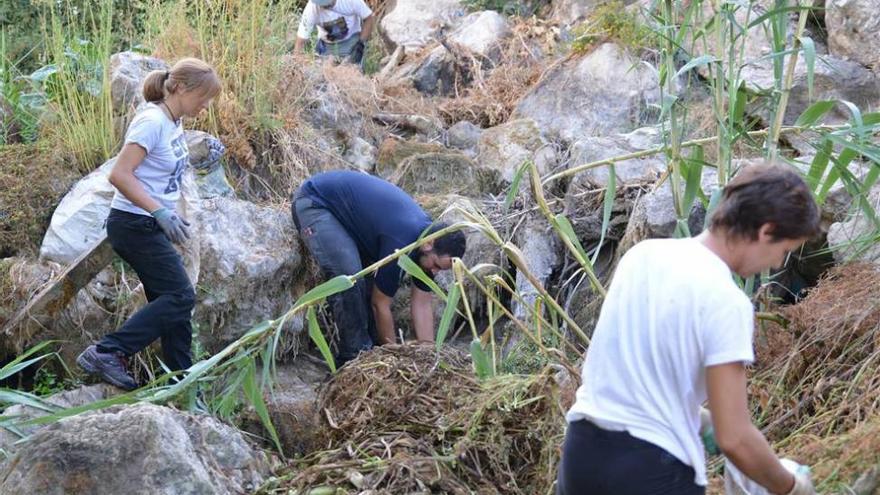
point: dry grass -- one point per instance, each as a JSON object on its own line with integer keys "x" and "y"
{"x": 821, "y": 374}
{"x": 33, "y": 179}
{"x": 495, "y": 89}
{"x": 406, "y": 418}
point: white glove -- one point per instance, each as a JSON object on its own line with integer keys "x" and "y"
{"x": 803, "y": 482}
{"x": 707, "y": 432}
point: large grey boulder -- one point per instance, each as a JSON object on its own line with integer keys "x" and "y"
{"x": 852, "y": 240}
{"x": 584, "y": 198}
{"x": 481, "y": 33}
{"x": 414, "y": 24}
{"x": 127, "y": 73}
{"x": 835, "y": 78}
{"x": 140, "y": 449}
{"x": 442, "y": 173}
{"x": 81, "y": 396}
{"x": 569, "y": 12}
{"x": 463, "y": 135}
{"x": 854, "y": 30}
{"x": 593, "y": 148}
{"x": 605, "y": 92}
{"x": 542, "y": 253}
{"x": 438, "y": 73}
{"x": 505, "y": 148}
{"x": 654, "y": 215}
{"x": 249, "y": 259}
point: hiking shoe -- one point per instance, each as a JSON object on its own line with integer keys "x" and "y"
{"x": 109, "y": 366}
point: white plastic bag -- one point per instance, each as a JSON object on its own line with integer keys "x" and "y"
{"x": 736, "y": 483}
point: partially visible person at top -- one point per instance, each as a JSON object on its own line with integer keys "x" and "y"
{"x": 143, "y": 224}
{"x": 349, "y": 220}
{"x": 344, "y": 27}
{"x": 674, "y": 331}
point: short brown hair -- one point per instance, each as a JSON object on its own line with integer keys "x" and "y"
{"x": 187, "y": 74}
{"x": 762, "y": 194}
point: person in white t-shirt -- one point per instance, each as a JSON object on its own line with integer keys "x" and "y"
{"x": 674, "y": 330}
{"x": 344, "y": 27}
{"x": 143, "y": 222}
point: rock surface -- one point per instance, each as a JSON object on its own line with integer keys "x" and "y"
{"x": 127, "y": 73}
{"x": 852, "y": 240}
{"x": 604, "y": 92}
{"x": 481, "y": 33}
{"x": 249, "y": 259}
{"x": 415, "y": 23}
{"x": 441, "y": 173}
{"x": 854, "y": 30}
{"x": 140, "y": 449}
{"x": 592, "y": 149}
{"x": 505, "y": 148}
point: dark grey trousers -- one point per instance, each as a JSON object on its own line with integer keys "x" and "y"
{"x": 337, "y": 254}
{"x": 139, "y": 241}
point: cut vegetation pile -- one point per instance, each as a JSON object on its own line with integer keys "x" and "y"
{"x": 821, "y": 374}
{"x": 407, "y": 418}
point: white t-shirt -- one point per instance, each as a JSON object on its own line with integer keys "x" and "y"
{"x": 672, "y": 310}
{"x": 166, "y": 160}
{"x": 343, "y": 20}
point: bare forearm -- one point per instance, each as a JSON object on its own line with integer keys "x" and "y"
{"x": 367, "y": 29}
{"x": 755, "y": 458}
{"x": 423, "y": 321}
{"x": 384, "y": 324}
{"x": 131, "y": 188}
{"x": 300, "y": 46}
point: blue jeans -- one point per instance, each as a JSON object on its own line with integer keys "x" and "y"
{"x": 139, "y": 241}
{"x": 337, "y": 254}
{"x": 602, "y": 462}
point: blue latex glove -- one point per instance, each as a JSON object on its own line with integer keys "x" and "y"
{"x": 173, "y": 225}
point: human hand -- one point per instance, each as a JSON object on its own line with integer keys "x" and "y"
{"x": 173, "y": 225}
{"x": 357, "y": 52}
{"x": 803, "y": 482}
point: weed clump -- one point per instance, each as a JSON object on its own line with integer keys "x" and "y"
{"x": 403, "y": 418}
{"x": 820, "y": 374}
{"x": 33, "y": 179}
{"x": 613, "y": 22}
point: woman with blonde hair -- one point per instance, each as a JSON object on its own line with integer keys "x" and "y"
{"x": 143, "y": 223}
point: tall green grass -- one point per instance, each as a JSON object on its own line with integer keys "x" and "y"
{"x": 76, "y": 82}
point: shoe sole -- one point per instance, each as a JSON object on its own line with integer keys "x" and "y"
{"x": 87, "y": 366}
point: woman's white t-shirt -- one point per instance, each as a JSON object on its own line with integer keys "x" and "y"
{"x": 166, "y": 160}
{"x": 343, "y": 18}
{"x": 672, "y": 310}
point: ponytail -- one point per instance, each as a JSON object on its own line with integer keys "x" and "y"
{"x": 187, "y": 74}
{"x": 154, "y": 85}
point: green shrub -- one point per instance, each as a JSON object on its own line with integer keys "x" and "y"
{"x": 613, "y": 22}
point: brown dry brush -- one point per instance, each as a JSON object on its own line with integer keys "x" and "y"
{"x": 495, "y": 88}
{"x": 405, "y": 418}
{"x": 820, "y": 374}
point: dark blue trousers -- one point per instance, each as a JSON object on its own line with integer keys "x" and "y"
{"x": 337, "y": 254}
{"x": 139, "y": 241}
{"x": 602, "y": 462}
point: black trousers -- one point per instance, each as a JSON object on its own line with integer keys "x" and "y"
{"x": 602, "y": 462}
{"x": 139, "y": 241}
{"x": 337, "y": 254}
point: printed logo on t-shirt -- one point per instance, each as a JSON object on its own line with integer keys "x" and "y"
{"x": 178, "y": 146}
{"x": 337, "y": 29}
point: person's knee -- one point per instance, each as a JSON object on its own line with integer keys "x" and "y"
{"x": 185, "y": 298}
